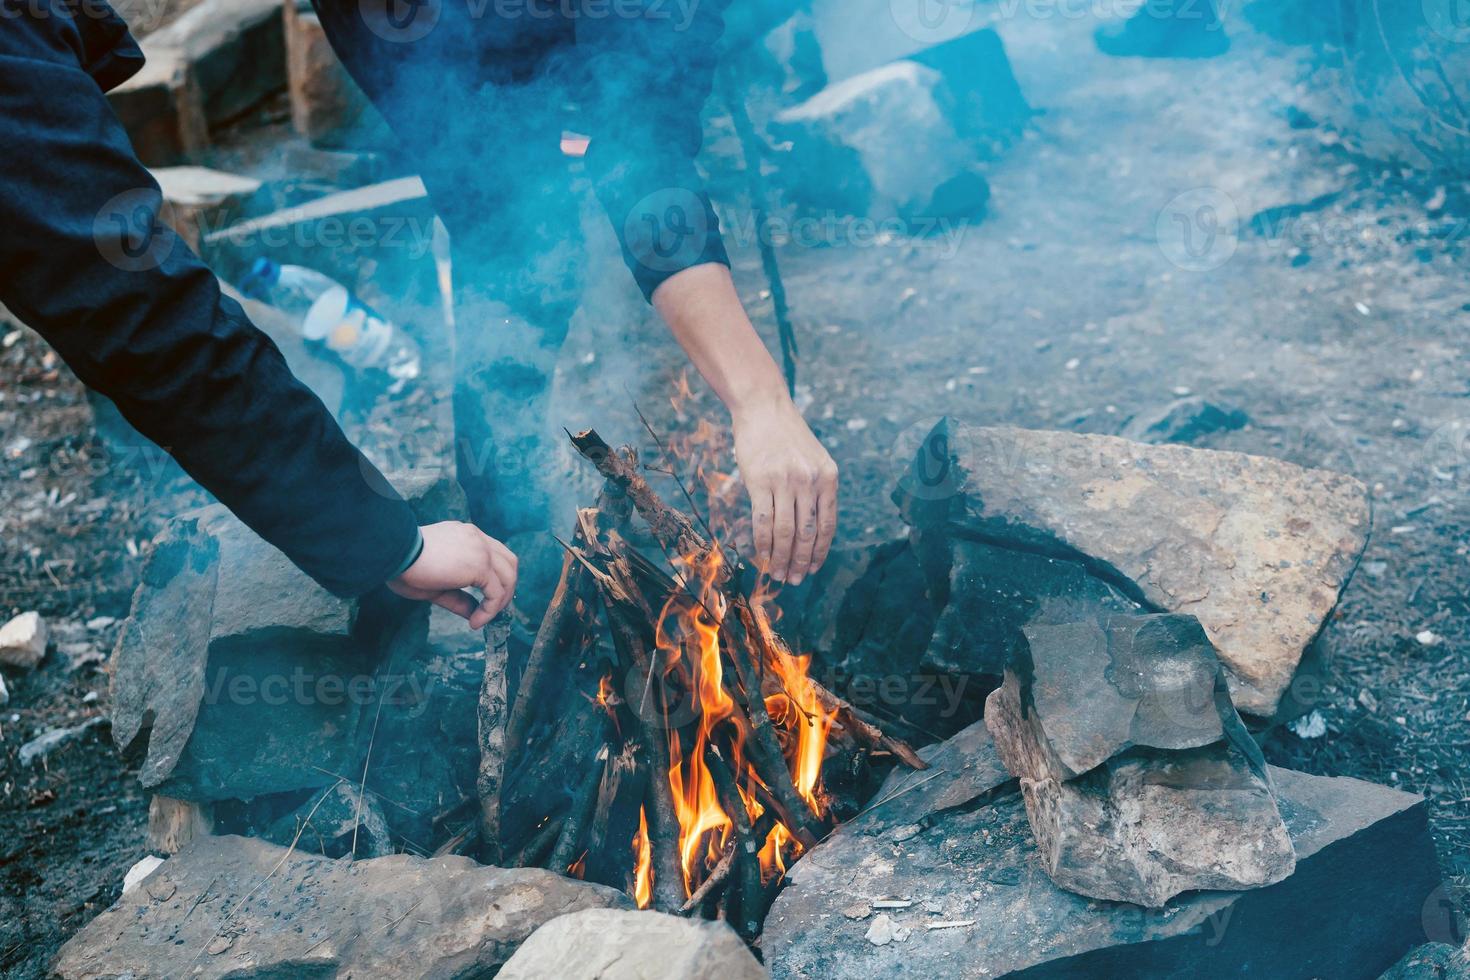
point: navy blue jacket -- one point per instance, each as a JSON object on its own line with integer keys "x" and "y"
{"x": 86, "y": 262}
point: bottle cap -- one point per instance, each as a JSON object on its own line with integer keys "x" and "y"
{"x": 263, "y": 274}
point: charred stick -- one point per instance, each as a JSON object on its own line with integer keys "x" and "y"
{"x": 491, "y": 717}
{"x": 459, "y": 843}
{"x": 714, "y": 883}
{"x": 733, "y": 89}
{"x": 560, "y": 629}
{"x": 865, "y": 733}
{"x": 663, "y": 823}
{"x": 672, "y": 528}
{"x": 534, "y": 851}
{"x": 569, "y": 842}
{"x": 614, "y": 830}
{"x": 663, "y": 828}
{"x": 747, "y": 857}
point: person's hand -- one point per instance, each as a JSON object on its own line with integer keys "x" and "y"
{"x": 457, "y": 557}
{"x": 792, "y": 483}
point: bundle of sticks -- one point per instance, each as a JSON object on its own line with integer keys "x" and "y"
{"x": 695, "y": 666}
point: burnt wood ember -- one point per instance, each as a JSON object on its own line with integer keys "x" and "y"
{"x": 640, "y": 750}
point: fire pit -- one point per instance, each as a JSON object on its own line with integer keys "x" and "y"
{"x": 703, "y": 740}
{"x": 672, "y": 741}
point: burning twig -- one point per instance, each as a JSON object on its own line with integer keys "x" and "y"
{"x": 663, "y": 827}
{"x": 681, "y": 808}
{"x": 714, "y": 883}
{"x": 746, "y": 851}
{"x": 673, "y": 530}
{"x": 762, "y": 747}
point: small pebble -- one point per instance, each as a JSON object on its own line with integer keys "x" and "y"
{"x": 880, "y": 933}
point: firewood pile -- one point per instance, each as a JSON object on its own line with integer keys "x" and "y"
{"x": 663, "y": 738}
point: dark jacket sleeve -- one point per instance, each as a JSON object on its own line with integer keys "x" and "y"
{"x": 652, "y": 65}
{"x": 85, "y": 261}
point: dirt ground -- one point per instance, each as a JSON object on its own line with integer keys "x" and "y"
{"x": 1335, "y": 317}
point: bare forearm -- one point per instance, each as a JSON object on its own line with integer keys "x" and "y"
{"x": 791, "y": 479}
{"x": 705, "y": 315}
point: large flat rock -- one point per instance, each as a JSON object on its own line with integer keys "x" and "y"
{"x": 1353, "y": 906}
{"x": 1257, "y": 549}
{"x": 242, "y": 908}
{"x": 607, "y": 944}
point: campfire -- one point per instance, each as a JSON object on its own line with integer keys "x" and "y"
{"x": 707, "y": 751}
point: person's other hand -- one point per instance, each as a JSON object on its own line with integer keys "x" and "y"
{"x": 457, "y": 557}
{"x": 792, "y": 482}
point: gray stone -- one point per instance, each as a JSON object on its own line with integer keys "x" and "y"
{"x": 1087, "y": 691}
{"x": 1432, "y": 961}
{"x": 23, "y": 641}
{"x": 608, "y": 944}
{"x": 197, "y": 200}
{"x": 235, "y": 51}
{"x": 987, "y": 107}
{"x": 1354, "y": 904}
{"x": 1139, "y": 779}
{"x": 245, "y": 668}
{"x": 988, "y": 592}
{"x": 244, "y": 908}
{"x": 961, "y": 769}
{"x": 1257, "y": 549}
{"x": 4, "y": 693}
{"x": 162, "y": 109}
{"x": 159, "y": 665}
{"x": 212, "y": 63}
{"x": 40, "y": 748}
{"x": 247, "y": 679}
{"x": 1183, "y": 420}
{"x": 881, "y": 144}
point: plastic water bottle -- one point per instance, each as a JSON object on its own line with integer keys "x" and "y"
{"x": 330, "y": 316}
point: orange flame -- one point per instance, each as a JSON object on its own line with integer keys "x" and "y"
{"x": 687, "y": 636}
{"x": 642, "y": 863}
